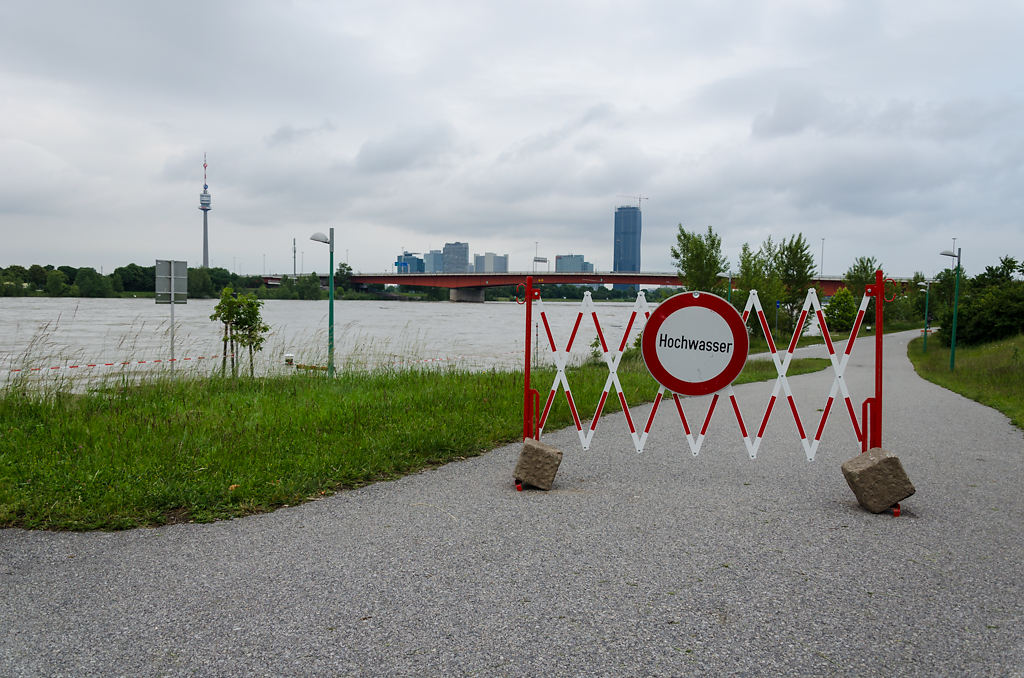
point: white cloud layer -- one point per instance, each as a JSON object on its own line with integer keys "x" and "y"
{"x": 874, "y": 128}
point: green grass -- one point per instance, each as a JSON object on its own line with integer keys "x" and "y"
{"x": 991, "y": 374}
{"x": 204, "y": 449}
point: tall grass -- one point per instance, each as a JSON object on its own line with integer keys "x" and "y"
{"x": 173, "y": 449}
{"x": 991, "y": 374}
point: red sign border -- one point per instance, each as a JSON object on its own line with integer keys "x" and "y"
{"x": 715, "y": 304}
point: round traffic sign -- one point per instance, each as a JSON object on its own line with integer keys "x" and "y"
{"x": 695, "y": 343}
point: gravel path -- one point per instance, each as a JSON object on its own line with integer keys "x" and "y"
{"x": 659, "y": 564}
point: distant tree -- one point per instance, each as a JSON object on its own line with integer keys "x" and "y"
{"x": 992, "y": 275}
{"x": 56, "y": 282}
{"x": 92, "y": 284}
{"x": 343, "y": 276}
{"x": 699, "y": 260}
{"x": 17, "y": 273}
{"x": 37, "y": 276}
{"x": 115, "y": 283}
{"x": 70, "y": 272}
{"x": 286, "y": 290}
{"x": 308, "y": 287}
{"x": 757, "y": 271}
{"x": 135, "y": 278}
{"x": 860, "y": 275}
{"x": 220, "y": 277}
{"x": 199, "y": 284}
{"x": 841, "y": 311}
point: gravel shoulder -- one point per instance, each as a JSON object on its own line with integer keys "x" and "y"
{"x": 657, "y": 564}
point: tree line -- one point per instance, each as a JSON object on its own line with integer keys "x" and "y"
{"x": 133, "y": 279}
{"x": 991, "y": 304}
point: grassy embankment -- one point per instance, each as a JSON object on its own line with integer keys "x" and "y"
{"x": 991, "y": 374}
{"x": 203, "y": 449}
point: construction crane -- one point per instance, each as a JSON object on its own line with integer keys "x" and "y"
{"x": 638, "y": 198}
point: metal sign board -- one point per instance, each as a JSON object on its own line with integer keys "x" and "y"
{"x": 695, "y": 343}
{"x": 171, "y": 281}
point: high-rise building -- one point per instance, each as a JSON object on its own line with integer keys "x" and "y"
{"x": 627, "y": 242}
{"x": 408, "y": 262}
{"x": 456, "y": 257}
{"x": 490, "y": 262}
{"x": 572, "y": 263}
{"x": 433, "y": 262}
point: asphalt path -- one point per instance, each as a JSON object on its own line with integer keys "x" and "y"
{"x": 633, "y": 565}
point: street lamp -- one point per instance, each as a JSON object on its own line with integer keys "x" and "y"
{"x": 927, "y": 285}
{"x": 320, "y": 237}
{"x": 956, "y": 299}
{"x": 728, "y": 274}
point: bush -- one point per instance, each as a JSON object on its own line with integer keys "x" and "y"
{"x": 841, "y": 311}
{"x": 992, "y": 313}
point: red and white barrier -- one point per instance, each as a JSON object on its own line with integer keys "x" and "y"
{"x": 867, "y": 431}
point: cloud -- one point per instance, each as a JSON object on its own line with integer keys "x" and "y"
{"x": 412, "y": 148}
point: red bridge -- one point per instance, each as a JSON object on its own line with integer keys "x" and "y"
{"x": 470, "y": 286}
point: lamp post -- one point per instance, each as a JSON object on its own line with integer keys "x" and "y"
{"x": 927, "y": 285}
{"x": 320, "y": 237}
{"x": 956, "y": 299}
{"x": 728, "y": 274}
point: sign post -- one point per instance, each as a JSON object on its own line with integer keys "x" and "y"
{"x": 171, "y": 288}
{"x": 695, "y": 343}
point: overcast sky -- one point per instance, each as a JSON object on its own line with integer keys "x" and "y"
{"x": 880, "y": 129}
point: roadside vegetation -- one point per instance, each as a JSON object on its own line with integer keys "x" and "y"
{"x": 173, "y": 450}
{"x": 989, "y": 359}
{"x": 991, "y": 374}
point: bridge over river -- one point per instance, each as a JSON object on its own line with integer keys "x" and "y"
{"x": 470, "y": 286}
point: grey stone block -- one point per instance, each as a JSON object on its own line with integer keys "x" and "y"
{"x": 538, "y": 464}
{"x": 877, "y": 479}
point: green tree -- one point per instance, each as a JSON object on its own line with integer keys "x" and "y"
{"x": 92, "y": 284}
{"x": 758, "y": 272}
{"x": 55, "y": 283}
{"x": 135, "y": 278}
{"x": 17, "y": 273}
{"x": 860, "y": 275}
{"x": 37, "y": 276}
{"x": 343, "y": 276}
{"x": 250, "y": 330}
{"x": 199, "y": 284}
{"x": 220, "y": 277}
{"x": 794, "y": 264}
{"x": 71, "y": 272}
{"x": 308, "y": 287}
{"x": 227, "y": 312}
{"x": 841, "y": 311}
{"x": 699, "y": 260}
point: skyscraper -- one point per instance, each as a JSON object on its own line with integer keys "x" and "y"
{"x": 456, "y": 257}
{"x": 627, "y": 242}
{"x": 433, "y": 261}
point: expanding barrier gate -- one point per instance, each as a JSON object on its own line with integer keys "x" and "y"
{"x": 868, "y": 428}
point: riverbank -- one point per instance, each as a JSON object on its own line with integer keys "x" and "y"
{"x": 202, "y": 449}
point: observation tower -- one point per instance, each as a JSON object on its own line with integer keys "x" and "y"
{"x": 204, "y": 205}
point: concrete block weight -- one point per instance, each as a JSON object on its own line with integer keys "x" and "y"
{"x": 538, "y": 464}
{"x": 877, "y": 479}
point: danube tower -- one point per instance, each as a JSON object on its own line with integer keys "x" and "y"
{"x": 204, "y": 205}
